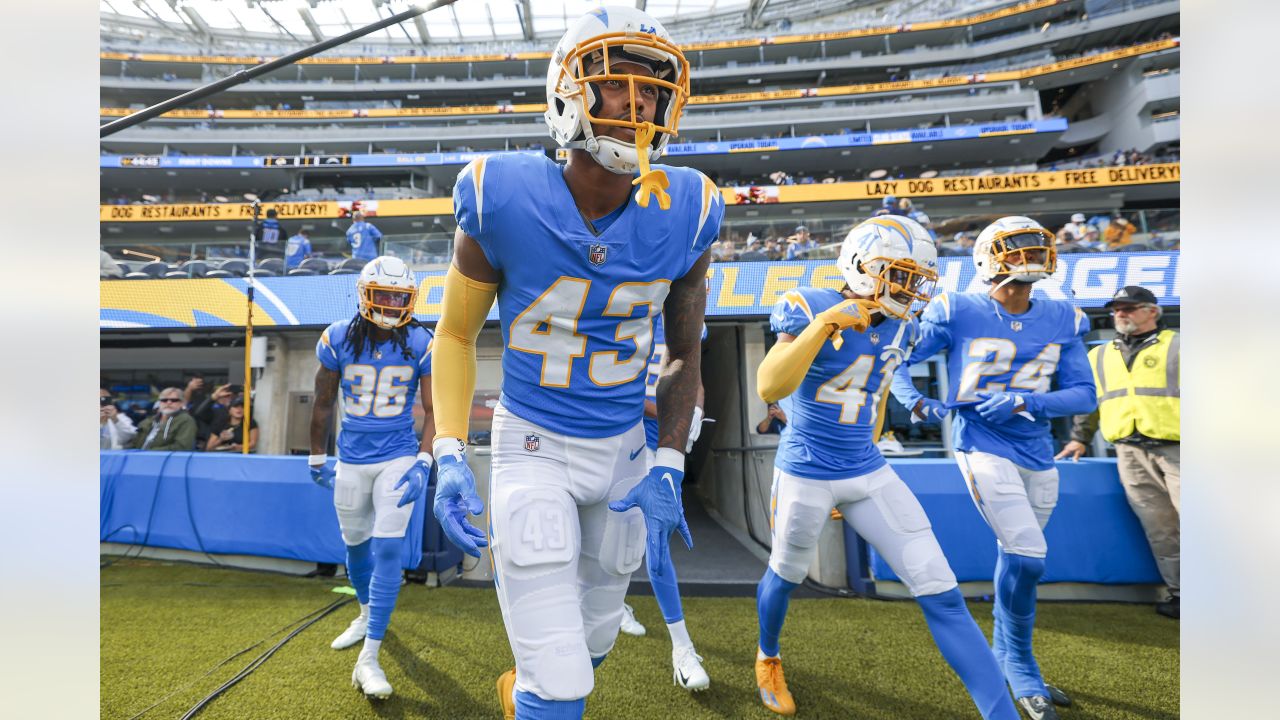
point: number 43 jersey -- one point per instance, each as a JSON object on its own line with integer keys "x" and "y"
{"x": 577, "y": 306}
{"x": 378, "y": 392}
{"x": 990, "y": 350}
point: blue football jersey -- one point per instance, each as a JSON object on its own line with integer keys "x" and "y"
{"x": 296, "y": 250}
{"x": 270, "y": 232}
{"x": 378, "y": 392}
{"x": 363, "y": 239}
{"x": 651, "y": 379}
{"x": 576, "y": 307}
{"x": 831, "y": 417}
{"x": 990, "y": 350}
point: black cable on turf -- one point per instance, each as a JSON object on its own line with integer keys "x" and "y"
{"x": 191, "y": 515}
{"x": 258, "y": 661}
{"x": 228, "y": 659}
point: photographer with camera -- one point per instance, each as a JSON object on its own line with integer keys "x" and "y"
{"x": 115, "y": 428}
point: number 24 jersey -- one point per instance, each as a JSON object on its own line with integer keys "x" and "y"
{"x": 576, "y": 307}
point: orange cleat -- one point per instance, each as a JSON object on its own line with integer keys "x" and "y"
{"x": 506, "y": 694}
{"x": 773, "y": 687}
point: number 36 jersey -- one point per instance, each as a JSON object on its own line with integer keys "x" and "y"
{"x": 577, "y": 306}
{"x": 378, "y": 392}
{"x": 990, "y": 350}
{"x": 831, "y": 417}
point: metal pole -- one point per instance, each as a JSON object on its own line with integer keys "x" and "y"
{"x": 234, "y": 79}
{"x": 248, "y": 334}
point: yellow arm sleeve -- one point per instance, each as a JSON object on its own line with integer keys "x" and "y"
{"x": 787, "y": 363}
{"x": 453, "y": 357}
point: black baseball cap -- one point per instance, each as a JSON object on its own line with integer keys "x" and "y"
{"x": 1133, "y": 294}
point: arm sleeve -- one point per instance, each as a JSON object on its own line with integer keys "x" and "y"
{"x": 786, "y": 364}
{"x": 466, "y": 304}
{"x": 932, "y": 337}
{"x": 1076, "y": 394}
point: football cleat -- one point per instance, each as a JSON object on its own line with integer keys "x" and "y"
{"x": 630, "y": 625}
{"x": 688, "y": 672}
{"x": 773, "y": 687}
{"x": 354, "y": 633}
{"x": 1038, "y": 707}
{"x": 1057, "y": 697}
{"x": 507, "y": 694}
{"x": 1171, "y": 608}
{"x": 368, "y": 678}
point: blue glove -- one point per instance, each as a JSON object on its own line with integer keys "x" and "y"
{"x": 322, "y": 474}
{"x": 932, "y": 410}
{"x": 997, "y": 407}
{"x": 456, "y": 498}
{"x": 416, "y": 478}
{"x": 659, "y": 497}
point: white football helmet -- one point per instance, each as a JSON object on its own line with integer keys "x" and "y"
{"x": 1017, "y": 247}
{"x": 387, "y": 291}
{"x": 585, "y": 56}
{"x": 892, "y": 260}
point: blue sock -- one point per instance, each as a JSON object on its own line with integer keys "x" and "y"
{"x": 532, "y": 707}
{"x": 999, "y": 643}
{"x": 359, "y": 568}
{"x": 385, "y": 584}
{"x": 597, "y": 662}
{"x": 772, "y": 596}
{"x": 662, "y": 576}
{"x": 965, "y": 649}
{"x": 1016, "y": 595}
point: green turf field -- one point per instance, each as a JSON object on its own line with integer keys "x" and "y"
{"x": 164, "y": 626}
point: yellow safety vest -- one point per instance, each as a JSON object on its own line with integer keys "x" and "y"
{"x": 1145, "y": 399}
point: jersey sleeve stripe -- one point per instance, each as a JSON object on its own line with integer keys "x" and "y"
{"x": 477, "y": 179}
{"x": 795, "y": 299}
{"x": 709, "y": 191}
{"x": 324, "y": 338}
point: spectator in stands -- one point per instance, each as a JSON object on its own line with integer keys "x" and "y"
{"x": 773, "y": 249}
{"x": 724, "y": 251}
{"x": 365, "y": 239}
{"x": 229, "y": 434}
{"x": 774, "y": 422}
{"x": 108, "y": 268}
{"x": 907, "y": 208}
{"x": 211, "y": 411}
{"x": 799, "y": 243}
{"x": 169, "y": 429}
{"x": 297, "y": 249}
{"x": 1074, "y": 231}
{"x": 115, "y": 428}
{"x": 1139, "y": 388}
{"x": 889, "y": 206}
{"x": 270, "y": 236}
{"x": 1119, "y": 233}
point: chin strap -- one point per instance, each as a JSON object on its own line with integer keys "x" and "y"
{"x": 651, "y": 182}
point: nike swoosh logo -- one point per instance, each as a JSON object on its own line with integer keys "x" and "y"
{"x": 637, "y": 452}
{"x": 684, "y": 679}
{"x": 671, "y": 482}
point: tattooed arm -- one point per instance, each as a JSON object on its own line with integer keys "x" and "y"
{"x": 680, "y": 379}
{"x": 322, "y": 409}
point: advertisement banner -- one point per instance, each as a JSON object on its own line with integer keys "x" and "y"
{"x": 737, "y": 289}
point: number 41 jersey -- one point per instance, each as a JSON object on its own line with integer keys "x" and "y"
{"x": 577, "y": 306}
{"x": 378, "y": 391}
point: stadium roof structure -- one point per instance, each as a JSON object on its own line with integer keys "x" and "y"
{"x": 306, "y": 21}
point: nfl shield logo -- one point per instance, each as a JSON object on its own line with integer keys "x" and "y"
{"x": 875, "y": 338}
{"x": 531, "y": 443}
{"x": 1016, "y": 325}
{"x": 598, "y": 254}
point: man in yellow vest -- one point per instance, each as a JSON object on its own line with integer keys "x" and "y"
{"x": 1138, "y": 398}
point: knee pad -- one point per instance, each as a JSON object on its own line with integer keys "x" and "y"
{"x": 541, "y": 531}
{"x": 927, "y": 570}
{"x": 623, "y": 545}
{"x": 900, "y": 508}
{"x": 1020, "y": 538}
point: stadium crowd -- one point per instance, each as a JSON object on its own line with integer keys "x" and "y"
{"x": 178, "y": 419}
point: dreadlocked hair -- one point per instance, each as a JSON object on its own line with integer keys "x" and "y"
{"x": 360, "y": 334}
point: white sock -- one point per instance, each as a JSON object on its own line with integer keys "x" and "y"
{"x": 370, "y": 649}
{"x": 679, "y": 635}
{"x": 761, "y": 656}
{"x": 364, "y": 610}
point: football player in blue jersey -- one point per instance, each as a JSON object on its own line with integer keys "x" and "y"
{"x": 835, "y": 394}
{"x": 1004, "y": 352}
{"x": 379, "y": 359}
{"x": 687, "y": 670}
{"x": 580, "y": 264}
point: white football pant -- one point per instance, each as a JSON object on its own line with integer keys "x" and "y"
{"x": 365, "y": 499}
{"x": 1015, "y": 502}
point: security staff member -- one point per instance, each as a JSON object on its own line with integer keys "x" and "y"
{"x": 1138, "y": 406}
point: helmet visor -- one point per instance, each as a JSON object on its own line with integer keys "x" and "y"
{"x": 392, "y": 303}
{"x": 1025, "y": 251}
